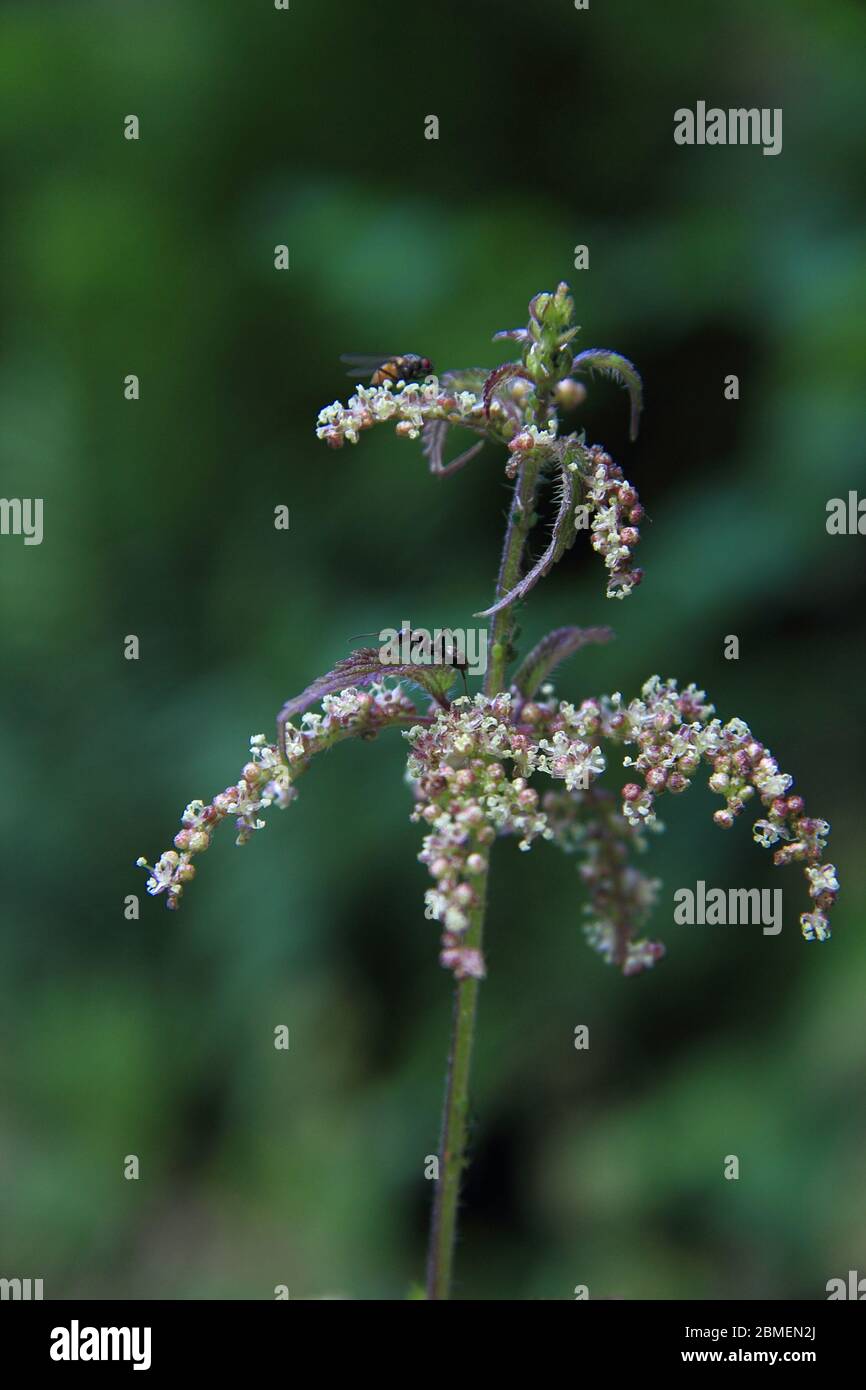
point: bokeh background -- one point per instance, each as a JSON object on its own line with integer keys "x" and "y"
{"x": 154, "y": 1036}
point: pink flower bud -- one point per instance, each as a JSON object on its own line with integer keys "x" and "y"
{"x": 521, "y": 442}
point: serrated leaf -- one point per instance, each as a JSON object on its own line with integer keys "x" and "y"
{"x": 562, "y": 537}
{"x": 364, "y": 667}
{"x": 553, "y": 649}
{"x": 620, "y": 370}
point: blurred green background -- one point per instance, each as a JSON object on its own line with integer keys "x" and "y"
{"x": 154, "y": 1037}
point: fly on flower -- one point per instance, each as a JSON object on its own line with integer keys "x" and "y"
{"x": 406, "y": 367}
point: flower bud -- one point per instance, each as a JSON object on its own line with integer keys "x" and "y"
{"x": 569, "y": 394}
{"x": 521, "y": 442}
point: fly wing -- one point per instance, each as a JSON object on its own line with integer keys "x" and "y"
{"x": 363, "y": 364}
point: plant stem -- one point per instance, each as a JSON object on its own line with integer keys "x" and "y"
{"x": 452, "y": 1146}
{"x": 452, "y": 1149}
{"x": 520, "y": 522}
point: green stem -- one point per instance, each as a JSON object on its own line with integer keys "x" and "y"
{"x": 521, "y": 519}
{"x": 452, "y": 1146}
{"x": 452, "y": 1149}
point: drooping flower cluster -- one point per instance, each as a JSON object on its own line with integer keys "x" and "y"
{"x": 467, "y": 796}
{"x": 621, "y": 897}
{"x": 268, "y": 779}
{"x": 616, "y": 512}
{"x": 470, "y": 766}
{"x": 674, "y": 732}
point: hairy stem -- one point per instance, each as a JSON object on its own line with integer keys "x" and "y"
{"x": 520, "y": 522}
{"x": 452, "y": 1151}
{"x": 452, "y": 1146}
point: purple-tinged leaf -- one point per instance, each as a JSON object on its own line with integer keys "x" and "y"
{"x": 500, "y": 375}
{"x": 551, "y": 651}
{"x": 620, "y": 370}
{"x": 517, "y": 335}
{"x": 562, "y": 537}
{"x": 364, "y": 667}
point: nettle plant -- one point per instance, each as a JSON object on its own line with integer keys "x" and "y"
{"x": 478, "y": 764}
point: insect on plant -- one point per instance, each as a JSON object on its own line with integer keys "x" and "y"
{"x": 407, "y": 366}
{"x": 514, "y": 761}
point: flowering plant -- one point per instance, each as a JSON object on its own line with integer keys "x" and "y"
{"x": 477, "y": 764}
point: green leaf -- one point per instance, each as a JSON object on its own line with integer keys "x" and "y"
{"x": 620, "y": 370}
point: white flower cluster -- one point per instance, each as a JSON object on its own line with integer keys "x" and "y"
{"x": 268, "y": 779}
{"x": 466, "y": 798}
{"x": 470, "y": 767}
{"x": 410, "y": 405}
{"x": 674, "y": 733}
{"x": 571, "y": 759}
{"x": 265, "y": 781}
